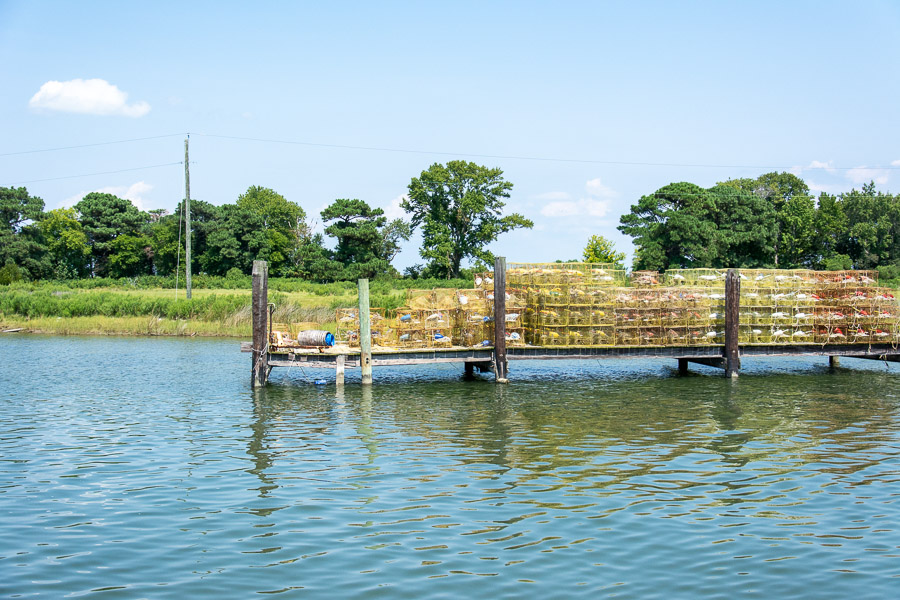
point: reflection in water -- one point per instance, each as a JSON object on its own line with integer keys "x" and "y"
{"x": 574, "y": 480}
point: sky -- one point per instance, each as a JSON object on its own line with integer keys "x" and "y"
{"x": 585, "y": 106}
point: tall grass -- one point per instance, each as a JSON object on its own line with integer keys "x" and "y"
{"x": 243, "y": 282}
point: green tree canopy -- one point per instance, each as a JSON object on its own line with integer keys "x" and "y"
{"x": 779, "y": 190}
{"x": 105, "y": 217}
{"x": 601, "y": 250}
{"x": 684, "y": 225}
{"x": 458, "y": 206}
{"x": 67, "y": 243}
{"x": 273, "y": 228}
{"x": 366, "y": 242}
{"x": 21, "y": 241}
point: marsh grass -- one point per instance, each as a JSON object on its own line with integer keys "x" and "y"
{"x": 153, "y": 312}
{"x": 142, "y": 325}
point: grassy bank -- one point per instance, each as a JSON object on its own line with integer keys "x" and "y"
{"x": 127, "y": 307}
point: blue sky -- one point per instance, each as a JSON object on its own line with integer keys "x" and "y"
{"x": 683, "y": 91}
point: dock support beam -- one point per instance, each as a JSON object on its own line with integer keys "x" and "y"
{"x": 834, "y": 361}
{"x": 501, "y": 366}
{"x": 365, "y": 333}
{"x": 259, "y": 373}
{"x": 339, "y": 369}
{"x": 732, "y": 319}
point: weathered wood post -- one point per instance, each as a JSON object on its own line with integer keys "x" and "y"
{"x": 500, "y": 364}
{"x": 259, "y": 305}
{"x": 339, "y": 369}
{"x": 834, "y": 361}
{"x": 732, "y": 320}
{"x": 365, "y": 333}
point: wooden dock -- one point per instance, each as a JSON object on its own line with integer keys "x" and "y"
{"x": 726, "y": 356}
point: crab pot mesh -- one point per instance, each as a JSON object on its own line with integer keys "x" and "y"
{"x": 594, "y": 304}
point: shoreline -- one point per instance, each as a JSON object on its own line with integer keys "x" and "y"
{"x": 146, "y": 326}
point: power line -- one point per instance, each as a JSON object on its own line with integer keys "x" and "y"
{"x": 99, "y": 173}
{"x": 153, "y": 137}
{"x": 531, "y": 158}
{"x": 434, "y": 152}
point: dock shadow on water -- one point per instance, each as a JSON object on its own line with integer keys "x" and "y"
{"x": 152, "y": 470}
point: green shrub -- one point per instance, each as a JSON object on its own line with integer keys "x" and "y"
{"x": 10, "y": 273}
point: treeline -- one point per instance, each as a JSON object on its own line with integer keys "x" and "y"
{"x": 770, "y": 221}
{"x": 458, "y": 206}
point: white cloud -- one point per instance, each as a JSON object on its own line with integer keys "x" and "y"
{"x": 596, "y": 189}
{"x": 596, "y": 204}
{"x": 86, "y": 96}
{"x": 865, "y": 175}
{"x": 818, "y": 164}
{"x": 895, "y": 163}
{"x": 828, "y": 188}
{"x": 584, "y": 207}
{"x": 134, "y": 192}
{"x": 394, "y": 211}
{"x": 552, "y": 196}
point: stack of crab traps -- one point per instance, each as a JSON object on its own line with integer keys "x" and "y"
{"x": 595, "y": 304}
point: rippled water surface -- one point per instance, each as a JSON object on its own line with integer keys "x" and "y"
{"x": 147, "y": 468}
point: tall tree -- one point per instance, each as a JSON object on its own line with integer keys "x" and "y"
{"x": 458, "y": 206}
{"x": 277, "y": 227}
{"x": 104, "y": 218}
{"x": 671, "y": 228}
{"x": 168, "y": 237}
{"x": 366, "y": 242}
{"x": 777, "y": 189}
{"x": 20, "y": 237}
{"x": 684, "y": 225}
{"x": 797, "y": 233}
{"x": 830, "y": 225}
{"x": 744, "y": 232}
{"x": 66, "y": 242}
{"x": 601, "y": 250}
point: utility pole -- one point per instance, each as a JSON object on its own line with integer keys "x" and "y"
{"x": 187, "y": 218}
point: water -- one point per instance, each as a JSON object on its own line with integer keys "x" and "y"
{"x": 147, "y": 468}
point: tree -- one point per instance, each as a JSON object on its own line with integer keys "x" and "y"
{"x": 601, "y": 250}
{"x": 872, "y": 235}
{"x": 797, "y": 229}
{"x": 20, "y": 238}
{"x": 66, "y": 242}
{"x": 393, "y": 233}
{"x": 130, "y": 256}
{"x": 356, "y": 225}
{"x": 671, "y": 228}
{"x": 312, "y": 260}
{"x": 167, "y": 238}
{"x": 777, "y": 189}
{"x": 684, "y": 225}
{"x": 458, "y": 206}
{"x": 274, "y": 229}
{"x": 830, "y": 224}
{"x": 105, "y": 217}
{"x": 366, "y": 241}
{"x": 744, "y": 228}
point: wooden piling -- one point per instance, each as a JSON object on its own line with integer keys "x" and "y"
{"x": 732, "y": 320}
{"x": 834, "y": 361}
{"x": 260, "y": 313}
{"x": 501, "y": 366}
{"x": 339, "y": 369}
{"x": 365, "y": 333}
